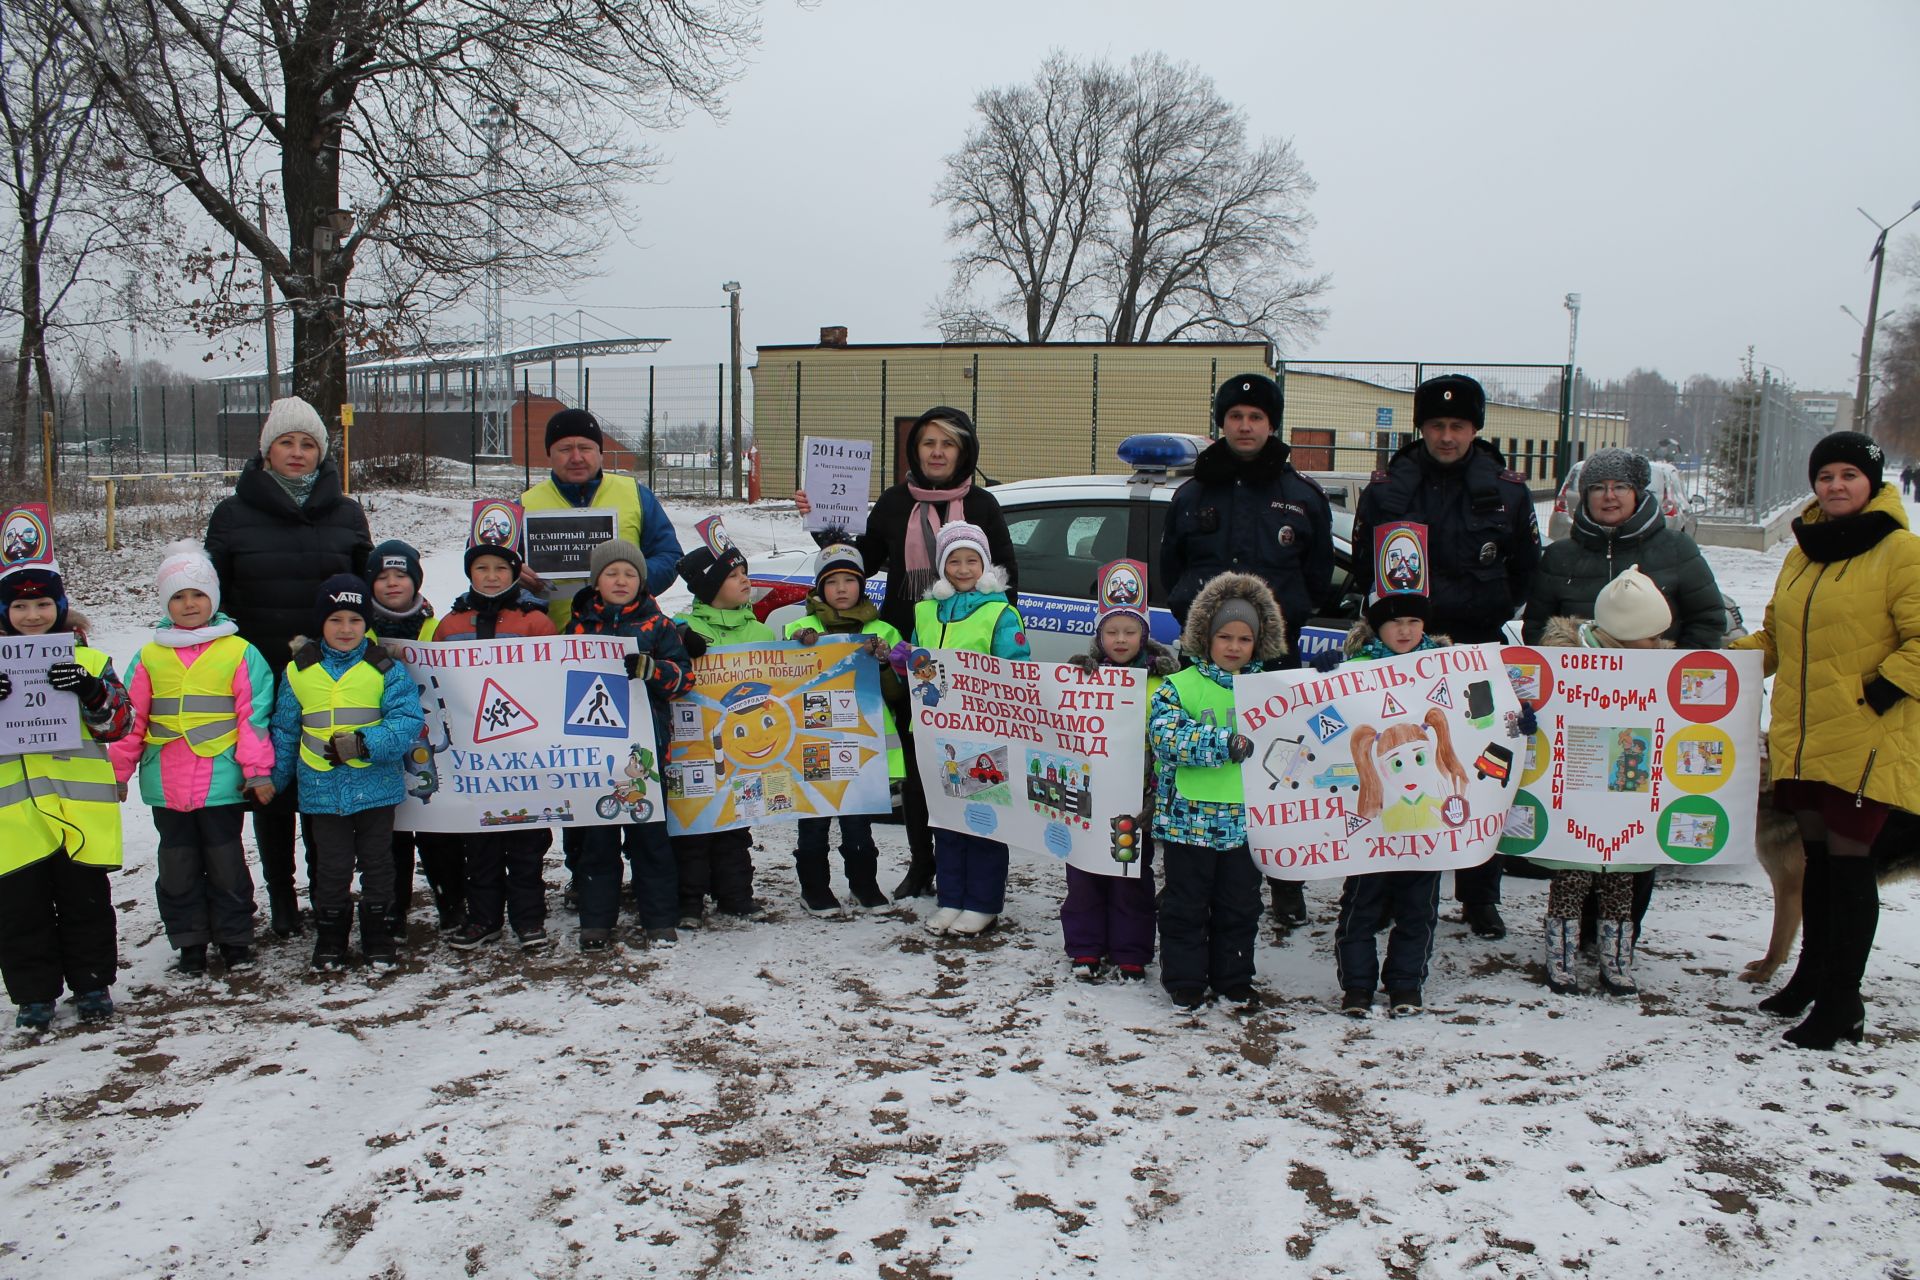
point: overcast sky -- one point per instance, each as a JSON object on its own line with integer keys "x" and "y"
{"x": 1690, "y": 168}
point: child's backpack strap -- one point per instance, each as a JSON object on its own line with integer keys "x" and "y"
{"x": 377, "y": 657}
{"x": 306, "y": 654}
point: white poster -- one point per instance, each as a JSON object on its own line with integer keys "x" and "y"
{"x": 838, "y": 474}
{"x": 36, "y": 716}
{"x": 1041, "y": 756}
{"x": 1643, "y": 755}
{"x": 1406, "y": 764}
{"x": 544, "y": 731}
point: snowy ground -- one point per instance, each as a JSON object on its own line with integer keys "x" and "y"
{"x": 850, "y": 1097}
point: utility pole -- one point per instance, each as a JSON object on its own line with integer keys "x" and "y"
{"x": 1572, "y": 304}
{"x": 733, "y": 307}
{"x": 1879, "y": 259}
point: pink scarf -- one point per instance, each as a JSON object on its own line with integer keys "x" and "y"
{"x": 923, "y": 524}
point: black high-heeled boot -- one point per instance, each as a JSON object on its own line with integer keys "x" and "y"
{"x": 1809, "y": 971}
{"x": 1838, "y": 1012}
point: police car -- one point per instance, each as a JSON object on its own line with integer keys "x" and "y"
{"x": 1063, "y": 530}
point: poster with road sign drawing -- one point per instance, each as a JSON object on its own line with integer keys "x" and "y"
{"x": 1648, "y": 756}
{"x": 1042, "y": 756}
{"x": 1403, "y": 764}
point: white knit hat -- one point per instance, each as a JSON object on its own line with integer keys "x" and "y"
{"x": 956, "y": 535}
{"x": 1632, "y": 608}
{"x": 184, "y": 566}
{"x": 293, "y": 414}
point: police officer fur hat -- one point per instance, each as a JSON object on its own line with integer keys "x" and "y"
{"x": 1255, "y": 389}
{"x": 1451, "y": 395}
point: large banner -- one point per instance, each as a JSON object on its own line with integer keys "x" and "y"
{"x": 1042, "y": 756}
{"x": 37, "y": 716}
{"x": 1407, "y": 764}
{"x": 1643, "y": 755}
{"x": 546, "y": 731}
{"x": 776, "y": 733}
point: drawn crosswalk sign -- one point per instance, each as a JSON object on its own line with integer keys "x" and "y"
{"x": 500, "y": 714}
{"x": 1327, "y": 723}
{"x": 1439, "y": 695}
{"x": 1390, "y": 706}
{"x": 597, "y": 705}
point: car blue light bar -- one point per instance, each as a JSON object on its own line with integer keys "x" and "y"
{"x": 1160, "y": 452}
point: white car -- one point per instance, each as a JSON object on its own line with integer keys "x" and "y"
{"x": 1063, "y": 530}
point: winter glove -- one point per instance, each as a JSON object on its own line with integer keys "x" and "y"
{"x": 348, "y": 744}
{"x": 1325, "y": 660}
{"x": 897, "y": 656}
{"x": 1529, "y": 723}
{"x": 695, "y": 642}
{"x": 806, "y": 636}
{"x": 6, "y": 686}
{"x": 71, "y": 677}
{"x": 641, "y": 666}
{"x": 1882, "y": 694}
{"x": 1083, "y": 662}
{"x": 1239, "y": 747}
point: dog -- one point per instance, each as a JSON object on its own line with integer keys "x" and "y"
{"x": 1896, "y": 856}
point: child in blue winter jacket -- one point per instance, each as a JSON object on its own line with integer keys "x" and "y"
{"x": 967, "y": 608}
{"x": 346, "y": 715}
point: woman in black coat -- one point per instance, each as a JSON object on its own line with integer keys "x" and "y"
{"x": 287, "y": 528}
{"x": 1616, "y": 526}
{"x": 942, "y": 453}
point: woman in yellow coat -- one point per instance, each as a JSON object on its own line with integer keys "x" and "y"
{"x": 1842, "y": 639}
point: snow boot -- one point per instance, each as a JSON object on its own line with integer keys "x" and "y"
{"x": 35, "y": 1015}
{"x": 1853, "y": 916}
{"x": 473, "y": 935}
{"x": 918, "y": 882}
{"x": 283, "y": 907}
{"x": 1563, "y": 935}
{"x": 862, "y": 864}
{"x": 1405, "y": 1004}
{"x": 1087, "y": 968}
{"x": 236, "y": 956}
{"x": 595, "y": 939}
{"x": 376, "y": 935}
{"x": 192, "y": 962}
{"x": 1356, "y": 1004}
{"x": 1289, "y": 903}
{"x": 1616, "y": 958}
{"x": 816, "y": 884}
{"x": 330, "y": 929}
{"x": 94, "y": 1007}
{"x": 451, "y": 912}
{"x": 972, "y": 923}
{"x": 1816, "y": 923}
{"x": 1484, "y": 919}
{"x": 942, "y": 920}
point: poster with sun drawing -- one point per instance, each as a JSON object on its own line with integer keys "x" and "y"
{"x": 1405, "y": 764}
{"x": 1643, "y": 756}
{"x": 776, "y": 733}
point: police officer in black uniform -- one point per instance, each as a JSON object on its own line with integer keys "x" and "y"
{"x": 1247, "y": 510}
{"x": 1483, "y": 546}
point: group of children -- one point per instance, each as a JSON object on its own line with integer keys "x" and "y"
{"x": 200, "y": 720}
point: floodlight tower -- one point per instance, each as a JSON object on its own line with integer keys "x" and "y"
{"x": 496, "y": 372}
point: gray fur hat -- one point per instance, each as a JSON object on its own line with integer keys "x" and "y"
{"x": 1197, "y": 637}
{"x": 1616, "y": 466}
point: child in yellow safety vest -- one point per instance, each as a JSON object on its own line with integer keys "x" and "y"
{"x": 346, "y": 715}
{"x": 1210, "y": 907}
{"x": 202, "y": 702}
{"x": 838, "y": 606}
{"x": 966, "y": 608}
{"x": 59, "y": 824}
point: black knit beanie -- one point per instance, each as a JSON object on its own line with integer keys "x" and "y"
{"x": 1850, "y": 447}
{"x": 573, "y": 422}
{"x": 395, "y": 554}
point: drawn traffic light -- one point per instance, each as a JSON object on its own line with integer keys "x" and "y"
{"x": 1126, "y": 838}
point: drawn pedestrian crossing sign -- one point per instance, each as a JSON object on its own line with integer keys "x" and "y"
{"x": 1390, "y": 706}
{"x": 1327, "y": 723}
{"x": 596, "y": 705}
{"x": 1439, "y": 695}
{"x": 499, "y": 714}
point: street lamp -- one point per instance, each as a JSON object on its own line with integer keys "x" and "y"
{"x": 1879, "y": 259}
{"x": 732, "y": 288}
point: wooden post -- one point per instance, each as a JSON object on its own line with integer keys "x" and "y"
{"x": 113, "y": 489}
{"x": 46, "y": 455}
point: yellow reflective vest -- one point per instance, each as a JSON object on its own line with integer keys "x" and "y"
{"x": 1209, "y": 703}
{"x": 194, "y": 702}
{"x": 328, "y": 706}
{"x": 974, "y": 632}
{"x": 618, "y": 494}
{"x": 50, "y": 800}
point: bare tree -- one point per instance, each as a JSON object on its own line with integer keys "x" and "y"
{"x": 427, "y": 141}
{"x": 1896, "y": 407}
{"x": 79, "y": 207}
{"x": 1129, "y": 204}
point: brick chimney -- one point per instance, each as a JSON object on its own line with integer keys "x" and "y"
{"x": 833, "y": 335}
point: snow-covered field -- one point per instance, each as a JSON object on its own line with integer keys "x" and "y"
{"x": 849, "y": 1097}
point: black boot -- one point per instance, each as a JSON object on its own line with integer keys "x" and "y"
{"x": 919, "y": 878}
{"x": 1853, "y": 916}
{"x": 283, "y": 906}
{"x": 816, "y": 884}
{"x": 452, "y": 911}
{"x": 863, "y": 869}
{"x": 1809, "y": 971}
{"x": 376, "y": 934}
{"x": 1289, "y": 903}
{"x": 330, "y": 928}
{"x": 1484, "y": 919}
